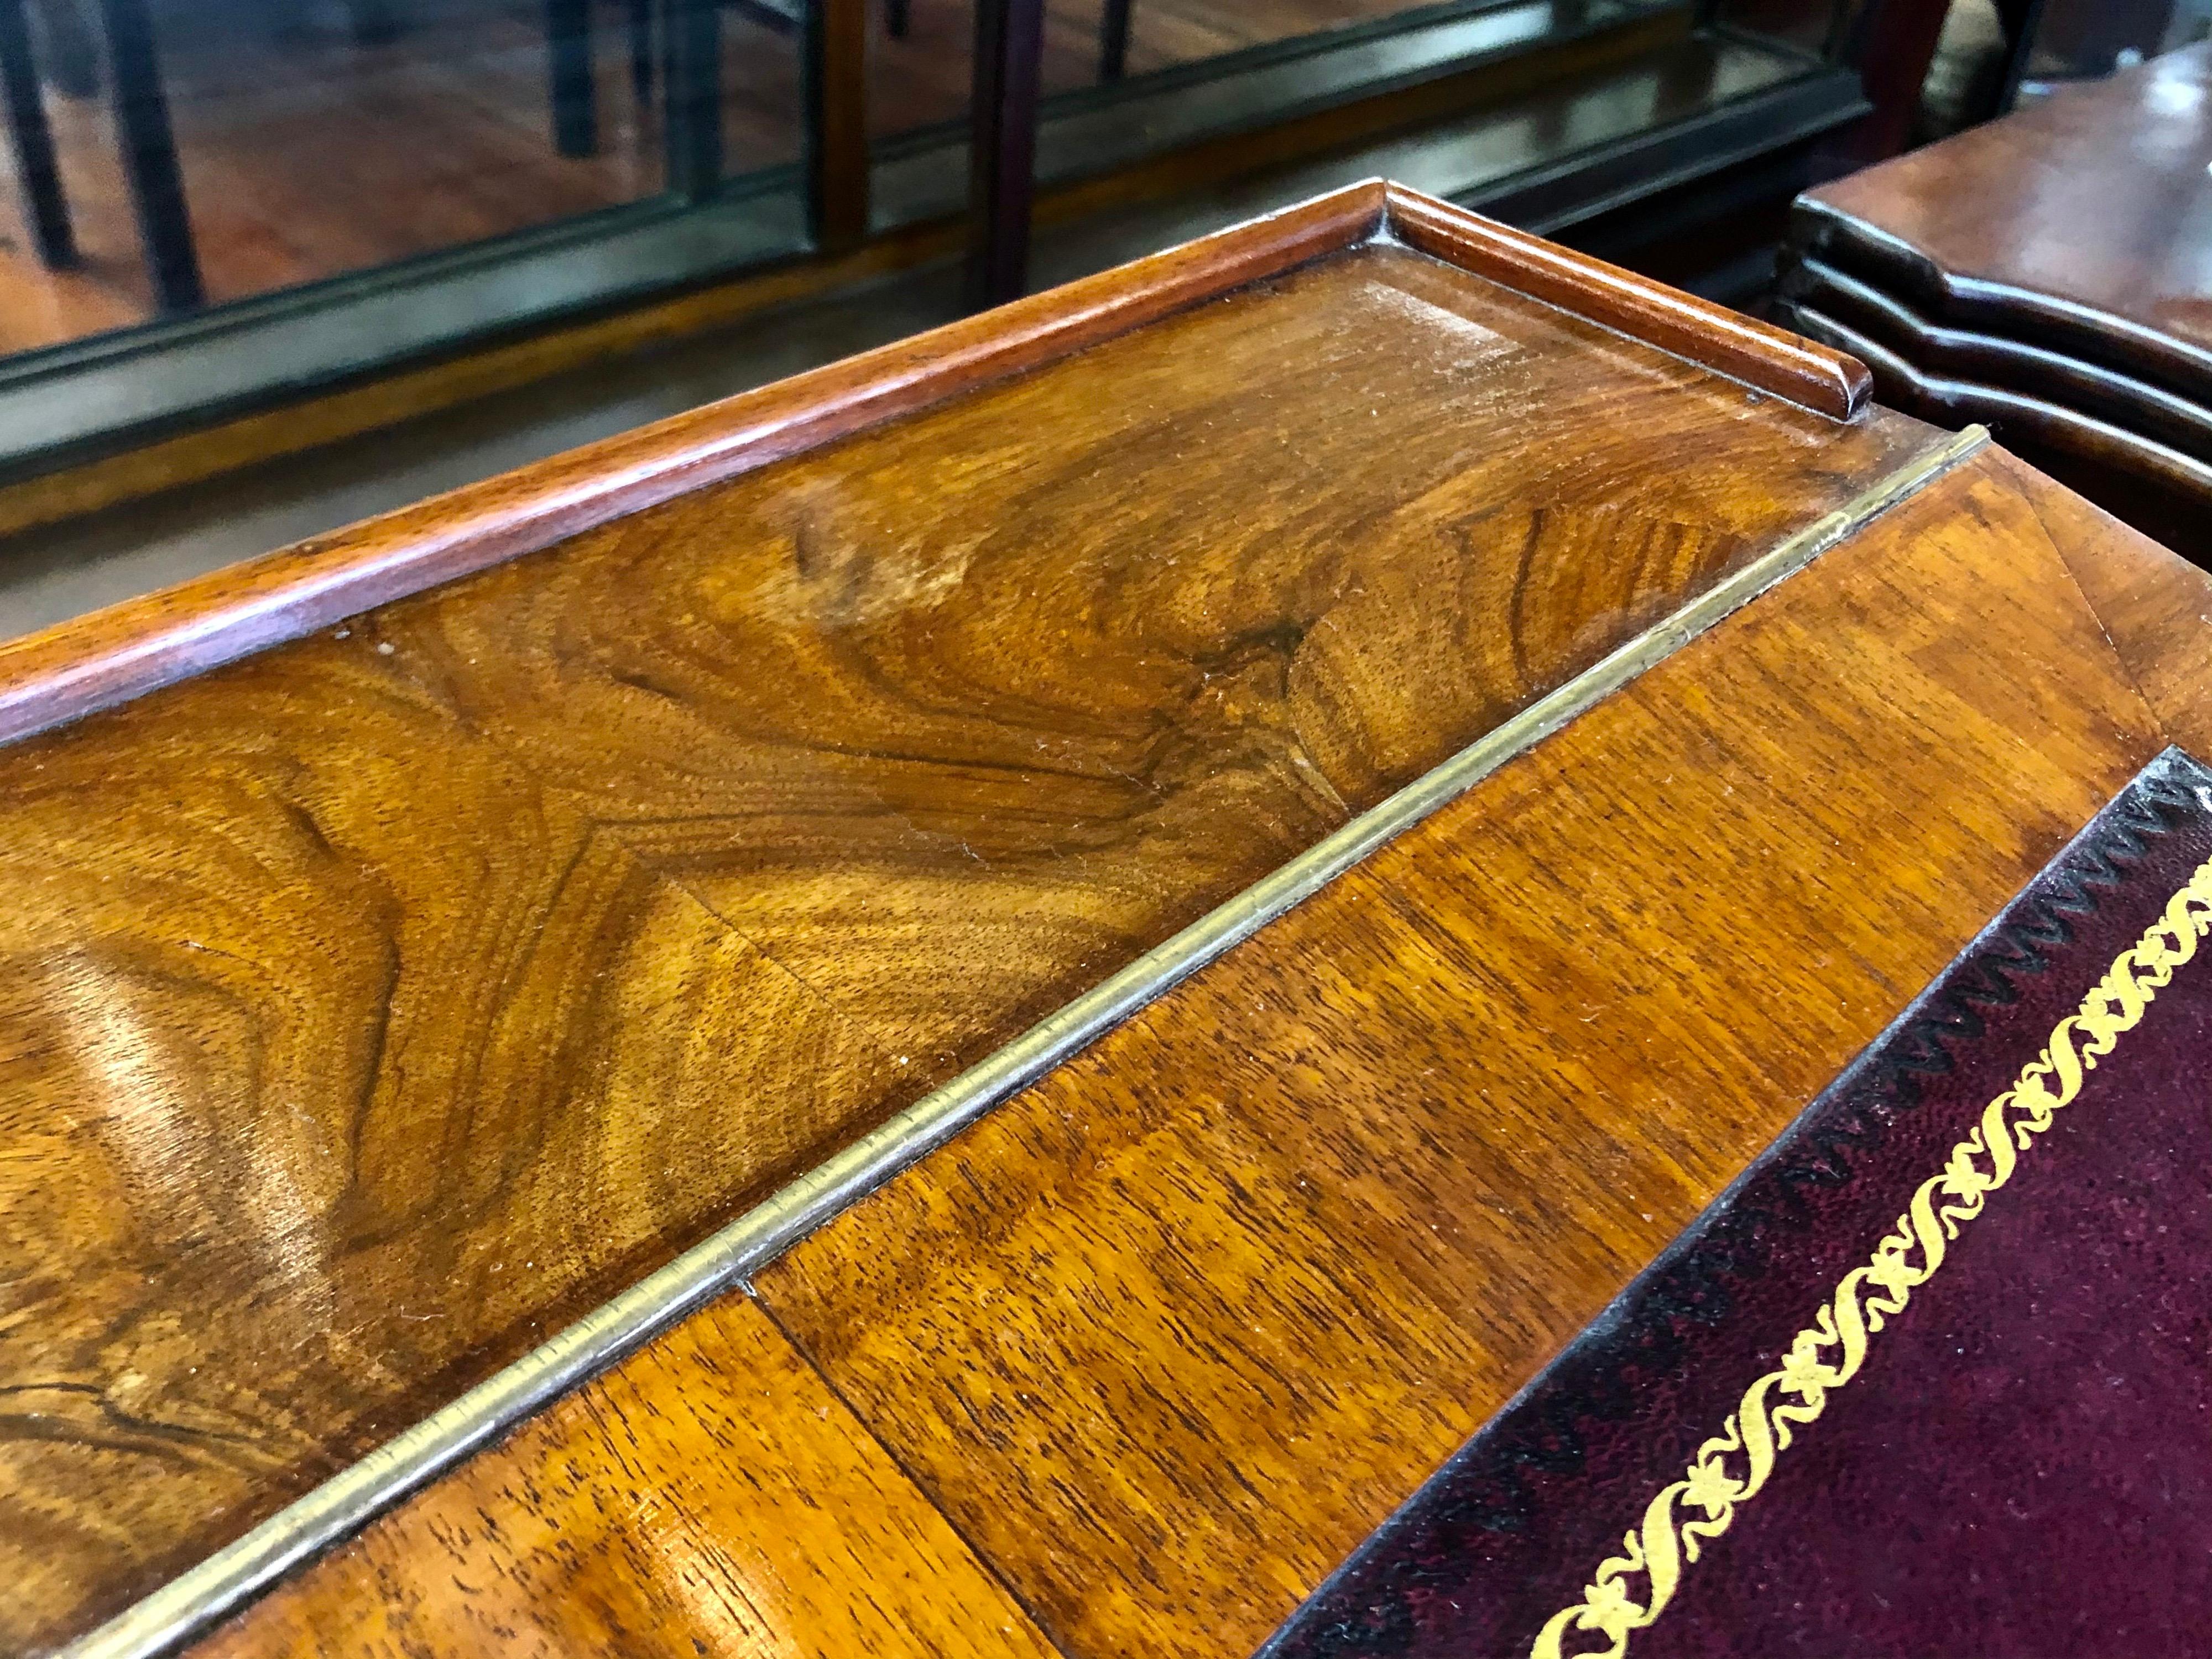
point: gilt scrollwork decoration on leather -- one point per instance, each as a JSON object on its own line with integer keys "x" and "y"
{"x": 1630, "y": 1592}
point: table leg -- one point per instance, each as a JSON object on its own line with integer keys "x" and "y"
{"x": 372, "y": 22}
{"x": 149, "y": 157}
{"x": 2021, "y": 18}
{"x": 837, "y": 121}
{"x": 1113, "y": 39}
{"x": 33, "y": 141}
{"x": 568, "y": 57}
{"x": 691, "y": 37}
{"x": 1895, "y": 41}
{"x": 641, "y": 72}
{"x": 1009, "y": 72}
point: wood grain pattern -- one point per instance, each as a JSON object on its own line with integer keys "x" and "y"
{"x": 714, "y": 1497}
{"x": 2077, "y": 223}
{"x": 379, "y": 1002}
{"x": 338, "y": 1060}
{"x": 1787, "y": 365}
{"x": 832, "y": 759}
{"x": 1169, "y": 1333}
{"x": 2160, "y": 490}
{"x": 2155, "y": 609}
{"x": 130, "y": 649}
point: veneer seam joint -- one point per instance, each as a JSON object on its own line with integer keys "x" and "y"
{"x": 219, "y": 1585}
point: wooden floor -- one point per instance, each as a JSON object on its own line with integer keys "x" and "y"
{"x": 305, "y": 155}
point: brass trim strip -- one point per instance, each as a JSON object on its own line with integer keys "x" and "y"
{"x": 1701, "y": 1505}
{"x": 200, "y": 1595}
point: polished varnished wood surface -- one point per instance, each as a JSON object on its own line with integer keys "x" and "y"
{"x": 2014, "y": 366}
{"x": 1168, "y": 1335}
{"x": 2049, "y": 274}
{"x": 2156, "y": 611}
{"x": 1216, "y": 675}
{"x": 375, "y": 1004}
{"x": 2164, "y": 491}
{"x": 714, "y": 1498}
{"x": 2085, "y": 217}
{"x": 137, "y": 646}
{"x": 239, "y": 1245}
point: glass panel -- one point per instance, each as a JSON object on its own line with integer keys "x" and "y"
{"x": 762, "y": 92}
{"x": 1809, "y": 25}
{"x": 1165, "y": 32}
{"x": 919, "y": 62}
{"x": 227, "y": 149}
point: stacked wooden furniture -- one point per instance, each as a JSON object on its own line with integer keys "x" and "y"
{"x": 2050, "y": 274}
{"x": 980, "y": 1004}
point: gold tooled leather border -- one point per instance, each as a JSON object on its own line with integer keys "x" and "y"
{"x": 1731, "y": 1468}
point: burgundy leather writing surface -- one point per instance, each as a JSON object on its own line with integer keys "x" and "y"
{"x": 1935, "y": 1376}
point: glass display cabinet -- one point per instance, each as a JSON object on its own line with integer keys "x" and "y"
{"x": 216, "y": 206}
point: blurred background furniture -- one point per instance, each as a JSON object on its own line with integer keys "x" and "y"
{"x": 147, "y": 141}
{"x": 340, "y": 193}
{"x": 31, "y": 142}
{"x": 2050, "y": 275}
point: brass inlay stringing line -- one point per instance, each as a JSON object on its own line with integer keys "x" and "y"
{"x": 1731, "y": 1468}
{"x": 197, "y": 1597}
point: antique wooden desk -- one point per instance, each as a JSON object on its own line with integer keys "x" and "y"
{"x": 983, "y": 1002}
{"x": 2050, "y": 274}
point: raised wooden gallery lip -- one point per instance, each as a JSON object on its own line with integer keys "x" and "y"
{"x": 1743, "y": 348}
{"x": 425, "y": 981}
{"x": 197, "y": 1598}
{"x": 96, "y": 661}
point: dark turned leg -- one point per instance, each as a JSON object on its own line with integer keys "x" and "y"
{"x": 836, "y": 70}
{"x": 1009, "y": 69}
{"x": 1895, "y": 40}
{"x": 1113, "y": 39}
{"x": 641, "y": 52}
{"x": 149, "y": 157}
{"x": 691, "y": 40}
{"x": 898, "y": 18}
{"x": 372, "y": 22}
{"x": 568, "y": 53}
{"x": 2020, "y": 19}
{"x": 33, "y": 141}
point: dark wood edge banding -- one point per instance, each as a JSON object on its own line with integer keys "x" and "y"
{"x": 218, "y": 1586}
{"x": 2048, "y": 320}
{"x": 2063, "y": 428}
{"x": 128, "y": 649}
{"x": 1711, "y": 336}
{"x": 2005, "y": 365}
{"x": 96, "y": 661}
